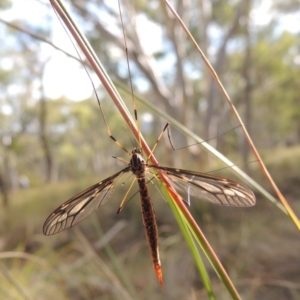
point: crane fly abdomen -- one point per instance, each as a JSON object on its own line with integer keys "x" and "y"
{"x": 150, "y": 225}
{"x": 138, "y": 168}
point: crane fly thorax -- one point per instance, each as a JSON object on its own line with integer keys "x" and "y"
{"x": 137, "y": 162}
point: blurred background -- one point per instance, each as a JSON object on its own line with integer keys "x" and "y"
{"x": 53, "y": 144}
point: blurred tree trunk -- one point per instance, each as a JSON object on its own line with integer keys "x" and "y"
{"x": 8, "y": 174}
{"x": 248, "y": 109}
{"x": 247, "y": 94}
{"x": 4, "y": 190}
{"x": 44, "y": 140}
{"x": 181, "y": 95}
{"x": 211, "y": 119}
{"x": 43, "y": 135}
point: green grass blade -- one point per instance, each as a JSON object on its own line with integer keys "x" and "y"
{"x": 190, "y": 241}
{"x": 186, "y": 217}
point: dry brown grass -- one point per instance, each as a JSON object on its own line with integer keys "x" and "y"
{"x": 259, "y": 247}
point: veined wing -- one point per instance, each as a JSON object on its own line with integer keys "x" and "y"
{"x": 214, "y": 189}
{"x": 81, "y": 205}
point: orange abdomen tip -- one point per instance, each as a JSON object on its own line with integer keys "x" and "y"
{"x": 159, "y": 275}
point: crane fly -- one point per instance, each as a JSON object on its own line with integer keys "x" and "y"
{"x": 200, "y": 185}
{"x": 214, "y": 189}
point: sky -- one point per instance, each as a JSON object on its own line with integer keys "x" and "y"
{"x": 72, "y": 81}
{"x": 64, "y": 76}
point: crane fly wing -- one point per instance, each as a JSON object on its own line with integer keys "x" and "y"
{"x": 209, "y": 187}
{"x": 81, "y": 205}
